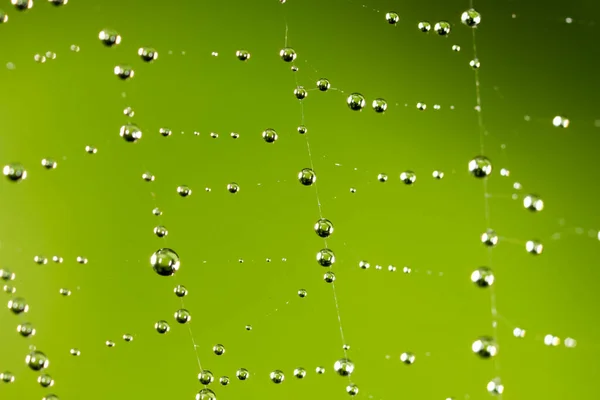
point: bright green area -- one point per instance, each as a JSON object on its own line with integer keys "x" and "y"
{"x": 97, "y": 205}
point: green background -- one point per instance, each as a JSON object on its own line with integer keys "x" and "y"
{"x": 534, "y": 66}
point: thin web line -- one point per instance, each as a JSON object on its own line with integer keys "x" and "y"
{"x": 487, "y": 216}
{"x": 191, "y": 332}
{"x": 320, "y": 207}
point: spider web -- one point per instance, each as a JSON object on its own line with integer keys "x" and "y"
{"x": 245, "y": 255}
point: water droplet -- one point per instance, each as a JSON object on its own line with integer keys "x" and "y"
{"x": 495, "y": 387}
{"x": 344, "y": 367}
{"x": 320, "y": 370}
{"x": 131, "y": 133}
{"x": 248, "y": 327}
{"x": 277, "y": 376}
{"x": 75, "y": 48}
{"x": 408, "y": 177}
{"x": 551, "y": 340}
{"x": 22, "y": 5}
{"x": 165, "y": 262}
{"x": 483, "y": 277}
{"x": 65, "y": 292}
{"x": 323, "y": 227}
{"x": 382, "y": 177}
{"x": 156, "y": 211}
{"x": 421, "y": 106}
{"x": 91, "y": 149}
{"x": 82, "y": 260}
{"x": 437, "y": 174}
{"x": 128, "y": 111}
{"x": 214, "y": 135}
{"x": 234, "y": 135}
{"x": 533, "y": 202}
{"x": 75, "y": 352}
{"x": 346, "y": 347}
{"x": 407, "y": 358}
{"x": 269, "y": 135}
{"x": 7, "y": 275}
{"x": 300, "y": 93}
{"x": 302, "y": 293}
{"x": 165, "y": 132}
{"x": 9, "y": 289}
{"x": 356, "y": 101}
{"x": 205, "y": 377}
{"x": 474, "y": 63}
{"x": 109, "y": 37}
{"x": 124, "y": 72}
{"x": 183, "y": 316}
{"x": 442, "y": 28}
{"x": 26, "y": 329}
{"x": 299, "y": 373}
{"x": 160, "y": 231}
{"x": 287, "y": 54}
{"x": 480, "y": 167}
{"x": 162, "y": 327}
{"x": 184, "y": 190}
{"x": 36, "y": 360}
{"x": 379, "y": 105}
{"x": 455, "y": 47}
{"x": 424, "y": 26}
{"x": 534, "y": 247}
{"x": 326, "y": 257}
{"x": 242, "y": 55}
{"x": 352, "y": 389}
{"x": 302, "y": 129}
{"x": 180, "y": 291}
{"x": 50, "y": 397}
{"x": 485, "y": 347}
{"x": 15, "y": 172}
{"x": 570, "y": 342}
{"x": 147, "y": 54}
{"x": 224, "y": 380}
{"x": 470, "y": 18}
{"x": 307, "y": 177}
{"x": 323, "y": 84}
{"x": 242, "y": 374}
{"x": 329, "y": 277}
{"x": 127, "y": 337}
{"x": 110, "y": 343}
{"x": 45, "y": 380}
{"x": 519, "y": 333}
{"x": 7, "y": 377}
{"x": 49, "y": 163}
{"x": 206, "y": 394}
{"x": 148, "y": 177}
{"x": 41, "y": 260}
{"x": 219, "y": 349}
{"x": 392, "y": 18}
{"x": 560, "y": 122}
{"x": 233, "y": 187}
{"x": 3, "y": 17}
{"x": 18, "y": 305}
{"x": 489, "y": 238}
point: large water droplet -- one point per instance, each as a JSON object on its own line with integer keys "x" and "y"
{"x": 483, "y": 277}
{"x": 344, "y": 367}
{"x": 480, "y": 167}
{"x": 36, "y": 360}
{"x": 109, "y": 37}
{"x": 14, "y": 172}
{"x": 277, "y": 376}
{"x": 165, "y": 262}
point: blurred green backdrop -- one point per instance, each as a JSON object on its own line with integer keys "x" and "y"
{"x": 534, "y": 66}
